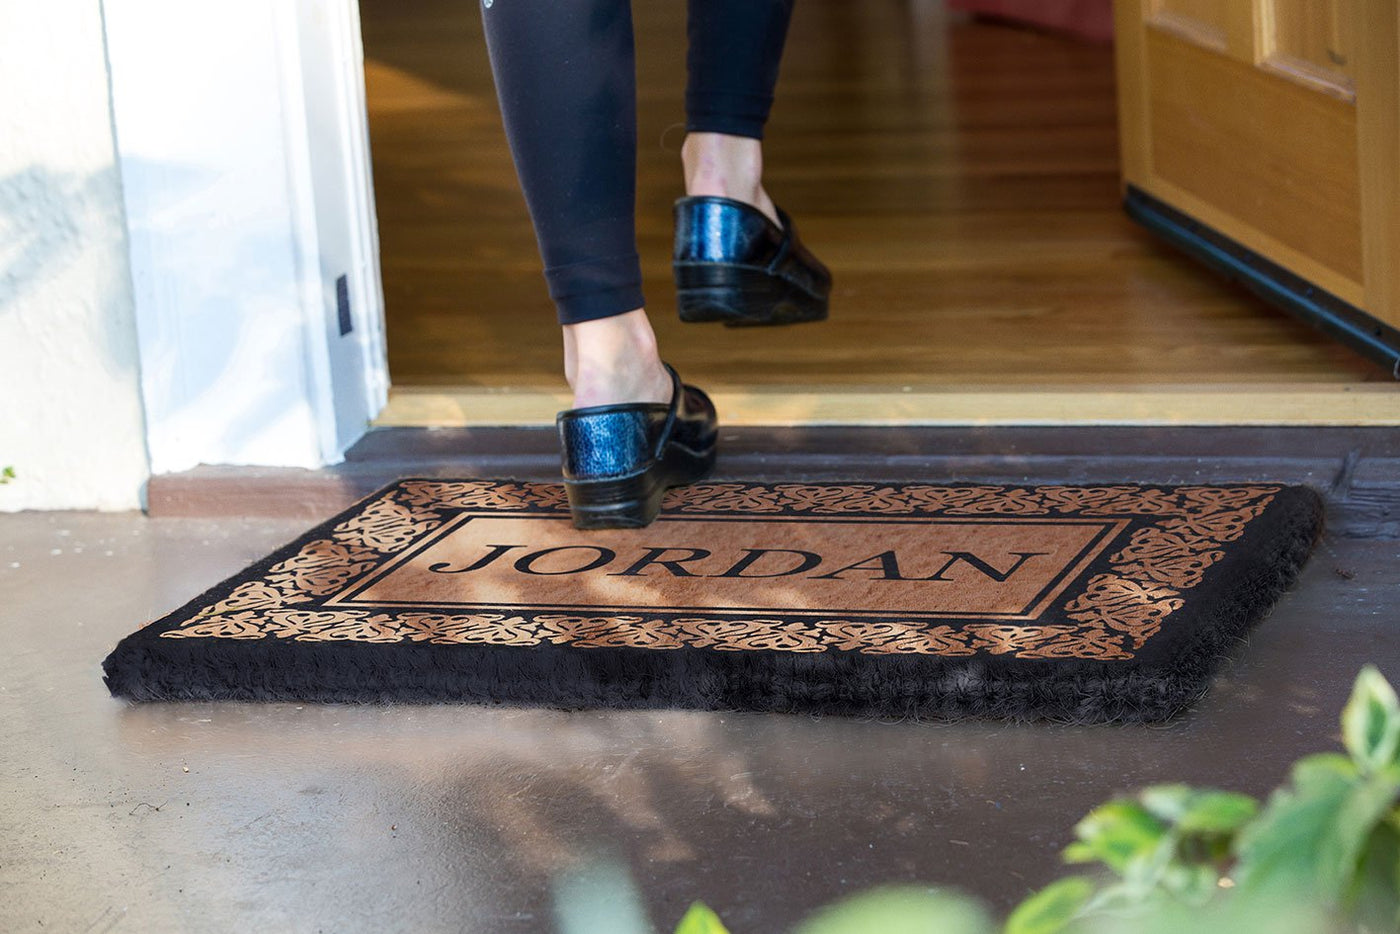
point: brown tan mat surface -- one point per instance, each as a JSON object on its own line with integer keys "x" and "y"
{"x": 914, "y": 599}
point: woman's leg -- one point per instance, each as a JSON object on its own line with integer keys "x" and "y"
{"x": 732, "y": 63}
{"x": 566, "y": 80}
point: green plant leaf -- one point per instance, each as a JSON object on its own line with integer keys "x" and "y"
{"x": 1191, "y": 884}
{"x": 1375, "y": 896}
{"x": 1200, "y": 811}
{"x": 1080, "y": 853}
{"x": 1371, "y": 722}
{"x": 1146, "y": 869}
{"x": 1274, "y": 913}
{"x": 1123, "y": 900}
{"x": 900, "y": 910}
{"x": 1320, "y": 770}
{"x": 1362, "y": 816}
{"x": 1166, "y": 802}
{"x": 1280, "y": 848}
{"x": 1116, "y": 834}
{"x": 1050, "y": 909}
{"x": 700, "y": 919}
{"x": 1311, "y": 835}
{"x": 1217, "y": 812}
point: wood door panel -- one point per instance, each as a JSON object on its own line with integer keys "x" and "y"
{"x": 1270, "y": 130}
{"x": 1203, "y": 21}
{"x": 1209, "y": 12}
{"x": 1323, "y": 34}
{"x": 1313, "y": 43}
{"x": 1216, "y": 131}
{"x": 1227, "y": 28}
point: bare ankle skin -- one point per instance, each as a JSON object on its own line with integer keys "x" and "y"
{"x": 614, "y": 360}
{"x": 727, "y": 166}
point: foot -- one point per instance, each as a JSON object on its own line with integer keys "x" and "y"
{"x": 618, "y": 464}
{"x": 614, "y": 360}
{"x": 727, "y": 166}
{"x": 731, "y": 265}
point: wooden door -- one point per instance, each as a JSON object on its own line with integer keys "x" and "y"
{"x": 1264, "y": 137}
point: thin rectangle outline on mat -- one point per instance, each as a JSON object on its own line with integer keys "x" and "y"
{"x": 1110, "y": 529}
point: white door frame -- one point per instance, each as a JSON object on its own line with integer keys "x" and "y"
{"x": 242, "y": 141}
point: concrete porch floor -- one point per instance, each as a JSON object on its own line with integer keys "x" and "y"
{"x": 231, "y": 817}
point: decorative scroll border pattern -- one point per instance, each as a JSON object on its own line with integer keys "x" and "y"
{"x": 1114, "y": 616}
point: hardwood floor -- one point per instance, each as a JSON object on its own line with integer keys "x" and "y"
{"x": 959, "y": 177}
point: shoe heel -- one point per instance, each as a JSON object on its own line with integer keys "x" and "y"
{"x": 741, "y": 296}
{"x": 686, "y": 466}
{"x": 634, "y": 501}
{"x": 717, "y": 292}
{"x": 614, "y": 503}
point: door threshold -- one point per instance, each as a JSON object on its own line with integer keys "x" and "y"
{"x": 1358, "y": 468}
{"x": 1342, "y": 404}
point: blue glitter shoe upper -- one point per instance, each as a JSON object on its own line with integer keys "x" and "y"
{"x": 711, "y": 229}
{"x": 605, "y": 441}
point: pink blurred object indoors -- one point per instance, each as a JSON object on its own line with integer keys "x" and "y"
{"x": 1087, "y": 19}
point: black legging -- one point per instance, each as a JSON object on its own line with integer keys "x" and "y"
{"x": 566, "y": 79}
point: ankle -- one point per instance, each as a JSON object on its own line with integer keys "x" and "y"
{"x": 615, "y": 360}
{"x": 618, "y": 382}
{"x": 726, "y": 166}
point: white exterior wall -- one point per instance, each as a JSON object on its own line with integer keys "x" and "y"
{"x": 185, "y": 185}
{"x": 70, "y": 402}
{"x": 240, "y": 129}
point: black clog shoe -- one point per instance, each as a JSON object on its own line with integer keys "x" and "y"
{"x": 618, "y": 460}
{"x": 733, "y": 264}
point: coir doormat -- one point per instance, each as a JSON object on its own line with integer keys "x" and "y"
{"x": 1075, "y": 603}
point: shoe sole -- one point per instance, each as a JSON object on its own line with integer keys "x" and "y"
{"x": 742, "y": 296}
{"x": 633, "y": 502}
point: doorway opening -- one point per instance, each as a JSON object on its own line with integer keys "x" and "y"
{"x": 961, "y": 178}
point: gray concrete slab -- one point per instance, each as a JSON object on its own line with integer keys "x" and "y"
{"x": 284, "y": 817}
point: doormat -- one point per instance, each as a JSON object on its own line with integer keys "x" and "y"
{"x": 1081, "y": 604}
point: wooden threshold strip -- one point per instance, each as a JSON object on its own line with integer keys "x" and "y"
{"x": 1357, "y": 404}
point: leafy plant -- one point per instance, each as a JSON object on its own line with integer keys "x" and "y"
{"x": 7, "y": 474}
{"x": 1334, "y": 831}
{"x": 701, "y": 920}
{"x": 1322, "y": 855}
{"x": 904, "y": 909}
